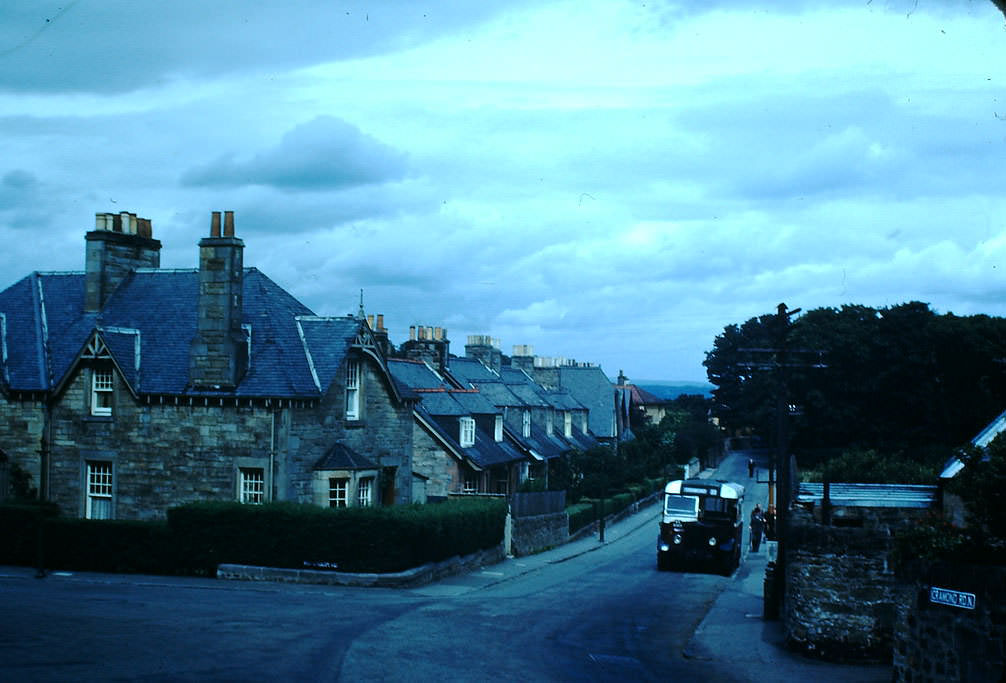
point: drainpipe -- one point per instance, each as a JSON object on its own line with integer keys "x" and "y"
{"x": 272, "y": 457}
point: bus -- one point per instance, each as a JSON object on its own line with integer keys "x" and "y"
{"x": 702, "y": 521}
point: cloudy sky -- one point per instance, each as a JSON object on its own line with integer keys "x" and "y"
{"x": 606, "y": 180}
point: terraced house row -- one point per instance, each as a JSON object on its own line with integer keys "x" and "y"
{"x": 126, "y": 389}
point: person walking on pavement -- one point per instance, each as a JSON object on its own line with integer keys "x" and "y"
{"x": 770, "y": 523}
{"x": 751, "y": 468}
{"x": 757, "y": 526}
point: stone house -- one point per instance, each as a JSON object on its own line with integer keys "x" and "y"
{"x": 546, "y": 424}
{"x": 460, "y": 444}
{"x": 127, "y": 389}
{"x": 641, "y": 402}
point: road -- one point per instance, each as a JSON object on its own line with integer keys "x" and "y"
{"x": 602, "y": 615}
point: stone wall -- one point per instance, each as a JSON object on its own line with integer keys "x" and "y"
{"x": 841, "y": 593}
{"x": 430, "y": 460}
{"x": 534, "y": 534}
{"x": 22, "y": 423}
{"x": 164, "y": 454}
{"x": 935, "y": 642}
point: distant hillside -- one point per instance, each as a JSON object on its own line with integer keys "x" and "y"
{"x": 671, "y": 390}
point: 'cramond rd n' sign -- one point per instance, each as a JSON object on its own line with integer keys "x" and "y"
{"x": 945, "y": 596}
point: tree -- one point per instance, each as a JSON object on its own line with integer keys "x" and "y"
{"x": 897, "y": 379}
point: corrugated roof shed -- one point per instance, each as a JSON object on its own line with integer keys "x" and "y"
{"x": 870, "y": 495}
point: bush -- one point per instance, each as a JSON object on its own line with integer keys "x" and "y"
{"x": 109, "y": 546}
{"x": 198, "y": 537}
{"x": 580, "y": 515}
{"x": 350, "y": 539}
{"x": 20, "y": 525}
{"x": 871, "y": 467}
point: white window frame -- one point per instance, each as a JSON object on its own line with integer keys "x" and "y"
{"x": 526, "y": 423}
{"x": 353, "y": 389}
{"x": 466, "y": 436}
{"x": 100, "y": 490}
{"x": 498, "y": 428}
{"x": 338, "y": 492}
{"x": 102, "y": 391}
{"x": 470, "y": 483}
{"x": 251, "y": 485}
{"x": 567, "y": 423}
{"x": 365, "y": 492}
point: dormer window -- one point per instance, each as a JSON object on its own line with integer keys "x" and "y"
{"x": 467, "y": 432}
{"x": 353, "y": 390}
{"x": 101, "y": 391}
{"x": 526, "y": 424}
{"x": 498, "y": 428}
{"x": 567, "y": 423}
{"x": 548, "y": 423}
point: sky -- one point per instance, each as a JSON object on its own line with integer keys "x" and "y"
{"x": 609, "y": 181}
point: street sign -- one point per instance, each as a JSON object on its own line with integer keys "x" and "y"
{"x": 945, "y": 596}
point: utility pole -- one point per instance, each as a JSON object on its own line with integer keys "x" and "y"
{"x": 779, "y": 359}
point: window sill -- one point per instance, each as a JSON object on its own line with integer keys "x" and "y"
{"x": 356, "y": 424}
{"x": 97, "y": 418}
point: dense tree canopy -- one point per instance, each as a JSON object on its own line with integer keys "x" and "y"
{"x": 896, "y": 379}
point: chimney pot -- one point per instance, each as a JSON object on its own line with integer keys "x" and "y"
{"x": 370, "y": 320}
{"x": 215, "y": 224}
{"x": 228, "y": 224}
{"x": 380, "y": 322}
{"x": 412, "y": 333}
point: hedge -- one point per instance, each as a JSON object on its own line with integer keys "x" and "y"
{"x": 19, "y": 531}
{"x": 198, "y": 537}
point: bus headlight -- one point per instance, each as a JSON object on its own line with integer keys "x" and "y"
{"x": 664, "y": 547}
{"x": 712, "y": 540}
{"x": 677, "y": 539}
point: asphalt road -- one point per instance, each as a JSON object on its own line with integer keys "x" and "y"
{"x": 604, "y": 615}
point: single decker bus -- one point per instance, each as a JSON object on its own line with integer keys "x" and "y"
{"x": 702, "y": 521}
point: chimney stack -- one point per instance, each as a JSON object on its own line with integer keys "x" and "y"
{"x": 427, "y": 344}
{"x": 119, "y": 244}
{"x": 218, "y": 356}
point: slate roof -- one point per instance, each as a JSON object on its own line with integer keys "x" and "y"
{"x": 594, "y": 390}
{"x": 342, "y": 457}
{"x": 441, "y": 407}
{"x": 469, "y": 370}
{"x": 153, "y": 311}
{"x": 415, "y": 374}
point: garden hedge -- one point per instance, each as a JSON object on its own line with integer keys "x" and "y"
{"x": 198, "y": 537}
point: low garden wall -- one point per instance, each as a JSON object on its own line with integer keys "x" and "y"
{"x": 841, "y": 592}
{"x": 532, "y": 535}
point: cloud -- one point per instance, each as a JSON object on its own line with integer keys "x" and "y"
{"x": 121, "y": 45}
{"x": 21, "y": 204}
{"x": 325, "y": 153}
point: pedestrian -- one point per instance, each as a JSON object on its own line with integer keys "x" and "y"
{"x": 751, "y": 468}
{"x": 770, "y": 523}
{"x": 757, "y": 526}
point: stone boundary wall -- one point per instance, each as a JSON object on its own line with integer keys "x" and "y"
{"x": 841, "y": 594}
{"x": 410, "y": 578}
{"x": 532, "y": 535}
{"x": 592, "y": 528}
{"x": 935, "y": 642}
